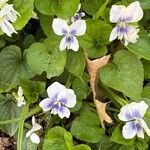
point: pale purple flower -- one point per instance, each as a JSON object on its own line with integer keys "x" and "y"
{"x": 132, "y": 114}
{"x": 78, "y": 15}
{"x": 69, "y": 33}
{"x": 125, "y": 17}
{"x": 59, "y": 100}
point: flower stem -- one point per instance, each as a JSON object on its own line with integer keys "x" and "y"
{"x": 21, "y": 126}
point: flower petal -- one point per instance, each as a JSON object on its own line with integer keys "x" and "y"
{"x": 55, "y": 109}
{"x": 21, "y": 101}
{"x": 63, "y": 44}
{"x": 135, "y": 11}
{"x": 60, "y": 26}
{"x": 133, "y": 111}
{"x": 46, "y": 104}
{"x": 35, "y": 138}
{"x": 10, "y": 13}
{"x": 33, "y": 120}
{"x": 115, "y": 12}
{"x": 129, "y": 130}
{"x": 113, "y": 34}
{"x": 35, "y": 126}
{"x": 20, "y": 91}
{"x": 7, "y": 27}
{"x": 29, "y": 133}
{"x": 78, "y": 27}
{"x": 131, "y": 35}
{"x": 145, "y": 127}
{"x": 142, "y": 107}
{"x": 54, "y": 89}
{"x": 140, "y": 134}
{"x": 63, "y": 112}
{"x": 2, "y": 2}
{"x": 125, "y": 113}
{"x": 71, "y": 98}
{"x": 74, "y": 45}
{"x": 67, "y": 98}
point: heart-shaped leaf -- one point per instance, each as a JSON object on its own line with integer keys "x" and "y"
{"x": 125, "y": 73}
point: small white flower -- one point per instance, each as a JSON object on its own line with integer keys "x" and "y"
{"x": 19, "y": 97}
{"x": 133, "y": 113}
{"x": 124, "y": 17}
{"x": 33, "y": 136}
{"x": 78, "y": 15}
{"x": 7, "y": 15}
{"x": 69, "y": 40}
{"x": 10, "y": 13}
{"x": 59, "y": 99}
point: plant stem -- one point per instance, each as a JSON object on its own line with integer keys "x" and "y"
{"x": 31, "y": 113}
{"x": 21, "y": 126}
{"x": 101, "y": 9}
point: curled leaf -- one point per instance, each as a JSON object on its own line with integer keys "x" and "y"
{"x": 93, "y": 69}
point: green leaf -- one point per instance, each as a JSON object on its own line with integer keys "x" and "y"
{"x": 82, "y": 147}
{"x": 117, "y": 137}
{"x": 86, "y": 127}
{"x": 25, "y": 9}
{"x": 127, "y": 147}
{"x": 146, "y": 95}
{"x": 64, "y": 9}
{"x": 107, "y": 145}
{"x": 91, "y": 7}
{"x": 46, "y": 23}
{"x": 29, "y": 40}
{"x": 44, "y": 6}
{"x": 145, "y": 4}
{"x": 141, "y": 47}
{"x": 146, "y": 65}
{"x": 58, "y": 138}
{"x": 96, "y": 38}
{"x": 80, "y": 87}
{"x": 125, "y": 73}
{"x": 8, "y": 110}
{"x": 13, "y": 67}
{"x": 32, "y": 89}
{"x": 46, "y": 57}
{"x": 75, "y": 62}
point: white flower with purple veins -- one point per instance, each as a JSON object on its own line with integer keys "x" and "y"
{"x": 78, "y": 15}
{"x": 59, "y": 100}
{"x": 31, "y": 133}
{"x": 69, "y": 33}
{"x": 125, "y": 17}
{"x": 133, "y": 113}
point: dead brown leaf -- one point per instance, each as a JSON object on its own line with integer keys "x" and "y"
{"x": 93, "y": 69}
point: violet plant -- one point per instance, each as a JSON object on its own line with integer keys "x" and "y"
{"x": 74, "y": 74}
